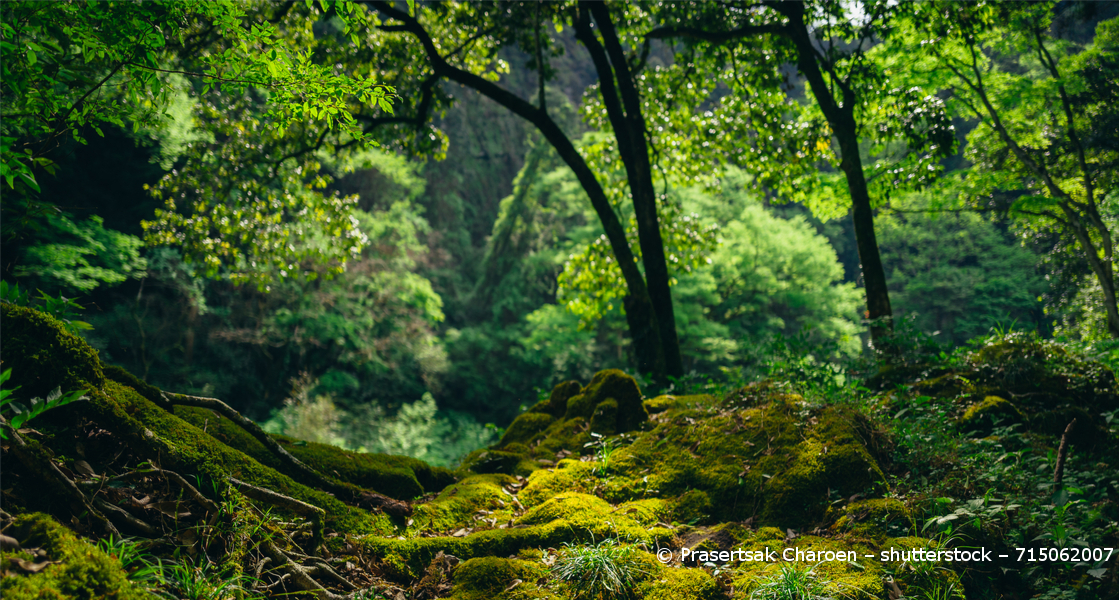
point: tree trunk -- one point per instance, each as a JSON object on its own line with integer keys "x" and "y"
{"x": 841, "y": 118}
{"x": 642, "y": 319}
{"x": 629, "y": 130}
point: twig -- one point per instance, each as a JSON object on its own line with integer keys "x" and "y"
{"x": 1062, "y": 454}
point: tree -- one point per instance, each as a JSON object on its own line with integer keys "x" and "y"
{"x": 1048, "y": 117}
{"x": 648, "y": 301}
{"x": 72, "y": 68}
{"x": 830, "y": 43}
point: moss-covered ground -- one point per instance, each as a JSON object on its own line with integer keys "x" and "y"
{"x": 757, "y": 484}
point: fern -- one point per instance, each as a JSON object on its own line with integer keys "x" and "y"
{"x": 17, "y": 414}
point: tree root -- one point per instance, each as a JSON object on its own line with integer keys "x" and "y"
{"x": 363, "y": 498}
{"x": 126, "y": 519}
{"x": 37, "y": 462}
{"x": 299, "y": 574}
{"x": 314, "y": 513}
{"x": 261, "y": 436}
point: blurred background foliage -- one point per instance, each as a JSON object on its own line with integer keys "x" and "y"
{"x": 480, "y": 280}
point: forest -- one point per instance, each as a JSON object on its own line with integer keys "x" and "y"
{"x": 570, "y": 300}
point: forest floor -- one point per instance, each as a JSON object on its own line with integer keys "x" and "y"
{"x": 999, "y": 458}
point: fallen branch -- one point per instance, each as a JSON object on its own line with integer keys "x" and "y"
{"x": 314, "y": 513}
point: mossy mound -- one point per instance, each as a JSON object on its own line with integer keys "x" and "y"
{"x": 1017, "y": 379}
{"x": 77, "y": 569}
{"x": 492, "y": 578}
{"x": 43, "y": 355}
{"x": 611, "y": 403}
{"x": 399, "y": 477}
{"x": 983, "y": 416}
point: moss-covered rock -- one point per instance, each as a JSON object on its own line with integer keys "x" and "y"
{"x": 677, "y": 584}
{"x": 525, "y": 427}
{"x": 492, "y": 578}
{"x": 982, "y": 416}
{"x": 80, "y": 570}
{"x": 875, "y": 519}
{"x": 43, "y": 355}
{"x": 610, "y": 384}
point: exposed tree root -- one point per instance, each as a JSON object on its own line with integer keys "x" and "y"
{"x": 300, "y": 576}
{"x": 126, "y": 519}
{"x": 314, "y": 513}
{"x": 37, "y": 462}
{"x": 364, "y": 498}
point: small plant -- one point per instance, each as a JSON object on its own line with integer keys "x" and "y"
{"x": 146, "y": 572}
{"x": 791, "y": 582}
{"x": 604, "y": 449}
{"x": 605, "y": 570}
{"x": 188, "y": 581}
{"x": 17, "y": 414}
{"x": 62, "y": 308}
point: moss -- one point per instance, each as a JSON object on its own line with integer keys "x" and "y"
{"x": 648, "y": 511}
{"x": 692, "y": 506}
{"x": 120, "y": 375}
{"x": 455, "y": 506}
{"x": 982, "y": 415}
{"x": 662, "y": 403}
{"x": 608, "y": 384}
{"x": 43, "y": 355}
{"x": 82, "y": 571}
{"x": 564, "y": 518}
{"x": 588, "y": 513}
{"x": 364, "y": 470}
{"x": 492, "y": 578}
{"x": 680, "y": 583}
{"x": 875, "y": 519}
{"x": 186, "y": 448}
{"x": 605, "y": 417}
{"x": 568, "y": 476}
{"x": 557, "y": 401}
{"x": 568, "y": 434}
{"x": 525, "y": 427}
{"x": 860, "y": 579}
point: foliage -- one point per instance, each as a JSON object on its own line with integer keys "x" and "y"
{"x": 605, "y": 569}
{"x": 187, "y": 580}
{"x": 67, "y": 73}
{"x": 62, "y": 308}
{"x": 145, "y": 570}
{"x": 18, "y": 413}
{"x": 416, "y": 430}
{"x": 960, "y": 273}
{"x": 64, "y": 70}
{"x": 80, "y": 256}
{"x": 1005, "y": 65}
{"x": 791, "y": 582}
